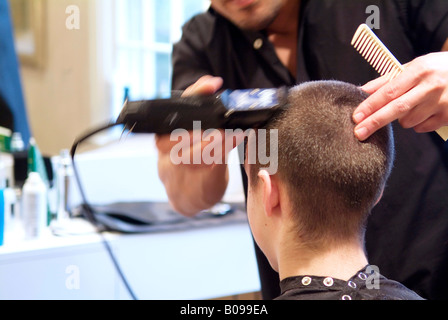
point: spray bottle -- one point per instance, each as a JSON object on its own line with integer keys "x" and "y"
{"x": 35, "y": 208}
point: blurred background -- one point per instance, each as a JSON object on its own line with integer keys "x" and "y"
{"x": 66, "y": 67}
{"x": 80, "y": 58}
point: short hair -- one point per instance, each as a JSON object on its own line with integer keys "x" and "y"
{"x": 333, "y": 179}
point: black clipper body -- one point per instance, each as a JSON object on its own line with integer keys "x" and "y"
{"x": 231, "y": 109}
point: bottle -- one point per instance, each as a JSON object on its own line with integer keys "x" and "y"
{"x": 2, "y": 217}
{"x": 8, "y": 162}
{"x": 64, "y": 178}
{"x": 2, "y": 201}
{"x": 8, "y": 207}
{"x": 5, "y": 154}
{"x": 36, "y": 164}
{"x": 10, "y": 214}
{"x": 17, "y": 144}
{"x": 34, "y": 206}
{"x": 2, "y": 173}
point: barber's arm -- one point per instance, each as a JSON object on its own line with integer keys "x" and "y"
{"x": 192, "y": 187}
{"x": 418, "y": 97}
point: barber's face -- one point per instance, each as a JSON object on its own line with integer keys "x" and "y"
{"x": 249, "y": 14}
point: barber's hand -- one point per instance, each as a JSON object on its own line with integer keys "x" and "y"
{"x": 418, "y": 98}
{"x": 198, "y": 186}
{"x": 206, "y": 85}
{"x": 203, "y": 150}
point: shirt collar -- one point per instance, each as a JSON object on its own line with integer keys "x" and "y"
{"x": 306, "y": 283}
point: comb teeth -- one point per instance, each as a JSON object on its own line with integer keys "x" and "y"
{"x": 375, "y": 52}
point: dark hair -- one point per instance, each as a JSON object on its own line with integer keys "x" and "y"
{"x": 333, "y": 179}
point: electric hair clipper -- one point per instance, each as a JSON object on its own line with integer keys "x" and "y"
{"x": 231, "y": 109}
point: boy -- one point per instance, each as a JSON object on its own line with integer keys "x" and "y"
{"x": 309, "y": 217}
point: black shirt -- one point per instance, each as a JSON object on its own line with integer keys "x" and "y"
{"x": 407, "y": 232}
{"x": 366, "y": 284}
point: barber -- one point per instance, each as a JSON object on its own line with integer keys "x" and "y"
{"x": 271, "y": 43}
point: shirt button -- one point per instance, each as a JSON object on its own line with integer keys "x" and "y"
{"x": 346, "y": 297}
{"x": 258, "y": 43}
{"x": 362, "y": 276}
{"x": 351, "y": 284}
{"x": 306, "y": 281}
{"x": 328, "y": 282}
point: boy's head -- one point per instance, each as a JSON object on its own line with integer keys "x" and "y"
{"x": 327, "y": 181}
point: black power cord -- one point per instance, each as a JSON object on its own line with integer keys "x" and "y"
{"x": 89, "y": 212}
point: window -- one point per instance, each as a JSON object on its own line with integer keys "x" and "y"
{"x": 144, "y": 32}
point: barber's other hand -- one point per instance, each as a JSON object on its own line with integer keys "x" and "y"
{"x": 418, "y": 98}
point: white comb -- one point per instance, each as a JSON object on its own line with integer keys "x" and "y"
{"x": 381, "y": 59}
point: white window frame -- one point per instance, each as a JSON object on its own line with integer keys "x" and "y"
{"x": 108, "y": 77}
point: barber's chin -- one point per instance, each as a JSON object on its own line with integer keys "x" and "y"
{"x": 242, "y": 4}
{"x": 253, "y": 24}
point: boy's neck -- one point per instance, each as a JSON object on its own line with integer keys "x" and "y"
{"x": 340, "y": 262}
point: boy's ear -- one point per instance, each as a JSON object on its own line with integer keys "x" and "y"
{"x": 270, "y": 191}
{"x": 379, "y": 196}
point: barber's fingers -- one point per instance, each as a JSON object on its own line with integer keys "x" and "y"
{"x": 189, "y": 139}
{"x": 205, "y": 85}
{"x": 431, "y": 124}
{"x": 419, "y": 114}
{"x": 429, "y": 115}
{"x": 401, "y": 108}
{"x": 374, "y": 85}
{"x": 164, "y": 144}
{"x": 418, "y": 97}
{"x": 200, "y": 148}
{"x": 217, "y": 143}
{"x": 389, "y": 92}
